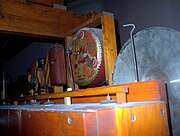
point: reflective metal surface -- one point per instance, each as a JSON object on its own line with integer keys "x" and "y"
{"x": 158, "y": 57}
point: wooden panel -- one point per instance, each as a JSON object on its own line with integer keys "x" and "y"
{"x": 14, "y": 122}
{"x": 147, "y": 91}
{"x": 10, "y": 122}
{"x": 3, "y": 122}
{"x": 52, "y": 124}
{"x": 153, "y": 90}
{"x": 90, "y": 124}
{"x": 145, "y": 120}
{"x": 137, "y": 119}
{"x": 109, "y": 41}
{"x": 47, "y": 2}
{"x": 36, "y": 20}
{"x": 107, "y": 122}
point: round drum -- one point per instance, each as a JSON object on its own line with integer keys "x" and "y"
{"x": 87, "y": 57}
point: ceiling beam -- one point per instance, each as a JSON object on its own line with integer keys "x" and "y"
{"x": 18, "y": 17}
{"x": 47, "y": 2}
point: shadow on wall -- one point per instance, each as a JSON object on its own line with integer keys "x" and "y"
{"x": 143, "y": 13}
{"x": 18, "y": 64}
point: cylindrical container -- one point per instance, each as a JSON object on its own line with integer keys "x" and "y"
{"x": 87, "y": 57}
{"x": 57, "y": 65}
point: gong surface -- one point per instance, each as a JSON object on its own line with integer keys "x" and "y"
{"x": 87, "y": 57}
{"x": 158, "y": 57}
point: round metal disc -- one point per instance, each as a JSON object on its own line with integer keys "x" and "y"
{"x": 158, "y": 57}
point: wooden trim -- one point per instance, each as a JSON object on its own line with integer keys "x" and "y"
{"x": 82, "y": 93}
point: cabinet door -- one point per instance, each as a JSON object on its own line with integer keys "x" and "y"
{"x": 58, "y": 124}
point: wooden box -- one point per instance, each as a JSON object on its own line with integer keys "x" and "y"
{"x": 134, "y": 118}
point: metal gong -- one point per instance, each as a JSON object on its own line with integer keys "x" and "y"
{"x": 158, "y": 57}
{"x": 87, "y": 57}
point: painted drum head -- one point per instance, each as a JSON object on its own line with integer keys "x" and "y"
{"x": 87, "y": 57}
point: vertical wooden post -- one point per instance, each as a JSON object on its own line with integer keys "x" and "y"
{"x": 109, "y": 41}
{"x": 121, "y": 98}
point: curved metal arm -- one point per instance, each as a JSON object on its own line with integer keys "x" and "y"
{"x": 133, "y": 51}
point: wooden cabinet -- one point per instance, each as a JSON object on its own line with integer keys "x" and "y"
{"x": 135, "y": 118}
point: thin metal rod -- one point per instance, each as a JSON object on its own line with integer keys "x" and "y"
{"x": 133, "y": 51}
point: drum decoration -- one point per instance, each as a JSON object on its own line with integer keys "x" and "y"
{"x": 87, "y": 57}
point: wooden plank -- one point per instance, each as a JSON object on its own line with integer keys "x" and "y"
{"x": 4, "y": 123}
{"x": 10, "y": 120}
{"x": 52, "y": 124}
{"x": 106, "y": 120}
{"x": 143, "y": 120}
{"x": 94, "y": 21}
{"x": 47, "y": 2}
{"x": 82, "y": 93}
{"x": 121, "y": 98}
{"x": 153, "y": 90}
{"x": 109, "y": 41}
{"x": 137, "y": 119}
{"x": 35, "y": 20}
{"x": 90, "y": 124}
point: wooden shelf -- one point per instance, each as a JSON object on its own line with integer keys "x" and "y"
{"x": 100, "y": 91}
{"x": 153, "y": 90}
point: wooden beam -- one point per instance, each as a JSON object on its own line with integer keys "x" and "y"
{"x": 92, "y": 22}
{"x": 47, "y": 2}
{"x": 83, "y": 93}
{"x": 109, "y": 41}
{"x": 35, "y": 20}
